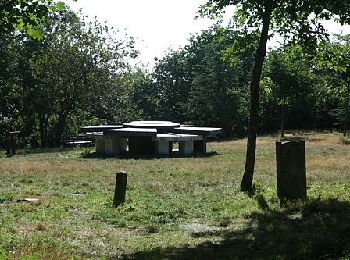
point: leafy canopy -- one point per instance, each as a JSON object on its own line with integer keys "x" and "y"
{"x": 295, "y": 20}
{"x": 27, "y": 15}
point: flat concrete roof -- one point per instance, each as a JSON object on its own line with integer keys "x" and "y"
{"x": 130, "y": 132}
{"x": 94, "y": 134}
{"x": 98, "y": 128}
{"x": 161, "y": 125}
{"x": 197, "y": 130}
{"x": 177, "y": 137}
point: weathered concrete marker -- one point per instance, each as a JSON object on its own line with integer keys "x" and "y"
{"x": 11, "y": 143}
{"x": 291, "y": 170}
{"x": 120, "y": 188}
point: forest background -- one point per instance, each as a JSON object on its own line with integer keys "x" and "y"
{"x": 79, "y": 72}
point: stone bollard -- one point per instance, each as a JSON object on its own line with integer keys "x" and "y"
{"x": 11, "y": 143}
{"x": 291, "y": 171}
{"x": 8, "y": 146}
{"x": 120, "y": 188}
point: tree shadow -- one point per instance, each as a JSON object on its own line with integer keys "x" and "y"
{"x": 317, "y": 229}
{"x": 127, "y": 156}
{"x": 47, "y": 150}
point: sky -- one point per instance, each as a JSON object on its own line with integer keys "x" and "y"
{"x": 157, "y": 25}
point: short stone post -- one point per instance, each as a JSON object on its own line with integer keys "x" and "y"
{"x": 120, "y": 188}
{"x": 291, "y": 170}
{"x": 13, "y": 142}
{"x": 8, "y": 145}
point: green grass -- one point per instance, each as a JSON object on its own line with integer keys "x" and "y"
{"x": 177, "y": 208}
{"x": 345, "y": 140}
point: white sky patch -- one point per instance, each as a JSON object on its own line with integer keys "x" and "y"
{"x": 157, "y": 25}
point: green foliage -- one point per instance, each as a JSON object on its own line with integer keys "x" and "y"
{"x": 7, "y": 197}
{"x": 218, "y": 94}
{"x": 79, "y": 74}
{"x": 296, "y": 21}
{"x": 65, "y": 80}
{"x": 2, "y": 254}
{"x": 289, "y": 85}
{"x": 333, "y": 59}
{"x": 9, "y": 88}
{"x": 196, "y": 85}
{"x": 345, "y": 140}
{"x": 146, "y": 96}
{"x": 27, "y": 15}
{"x": 310, "y": 97}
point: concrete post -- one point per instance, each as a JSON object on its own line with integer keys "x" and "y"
{"x": 8, "y": 145}
{"x": 120, "y": 188}
{"x": 291, "y": 170}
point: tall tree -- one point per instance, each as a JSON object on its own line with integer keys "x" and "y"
{"x": 73, "y": 69}
{"x": 288, "y": 80}
{"x": 295, "y": 20}
{"x": 172, "y": 79}
{"x": 218, "y": 87}
{"x": 191, "y": 85}
{"x": 9, "y": 85}
{"x": 334, "y": 57}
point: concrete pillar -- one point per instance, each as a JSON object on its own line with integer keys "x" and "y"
{"x": 200, "y": 147}
{"x": 115, "y": 145}
{"x": 100, "y": 144}
{"x": 186, "y": 147}
{"x": 291, "y": 170}
{"x": 162, "y": 148}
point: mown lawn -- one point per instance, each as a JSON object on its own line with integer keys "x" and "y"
{"x": 176, "y": 208}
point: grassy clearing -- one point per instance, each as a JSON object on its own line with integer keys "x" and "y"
{"x": 181, "y": 208}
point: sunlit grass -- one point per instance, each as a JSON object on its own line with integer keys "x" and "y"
{"x": 174, "y": 206}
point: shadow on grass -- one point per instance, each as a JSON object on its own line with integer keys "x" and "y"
{"x": 320, "y": 229}
{"x": 126, "y": 156}
{"x": 48, "y": 150}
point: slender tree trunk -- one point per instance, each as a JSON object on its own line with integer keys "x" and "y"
{"x": 346, "y": 111}
{"x": 43, "y": 122}
{"x": 247, "y": 181}
{"x": 59, "y": 128}
{"x": 283, "y": 112}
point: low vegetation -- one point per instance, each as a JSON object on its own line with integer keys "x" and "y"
{"x": 180, "y": 208}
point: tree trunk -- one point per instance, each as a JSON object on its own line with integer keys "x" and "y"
{"x": 346, "y": 111}
{"x": 282, "y": 120}
{"x": 59, "y": 128}
{"x": 247, "y": 181}
{"x": 43, "y": 124}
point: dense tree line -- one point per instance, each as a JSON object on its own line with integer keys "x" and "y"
{"x": 69, "y": 78}
{"x": 195, "y": 85}
{"x": 296, "y": 21}
{"x": 79, "y": 73}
